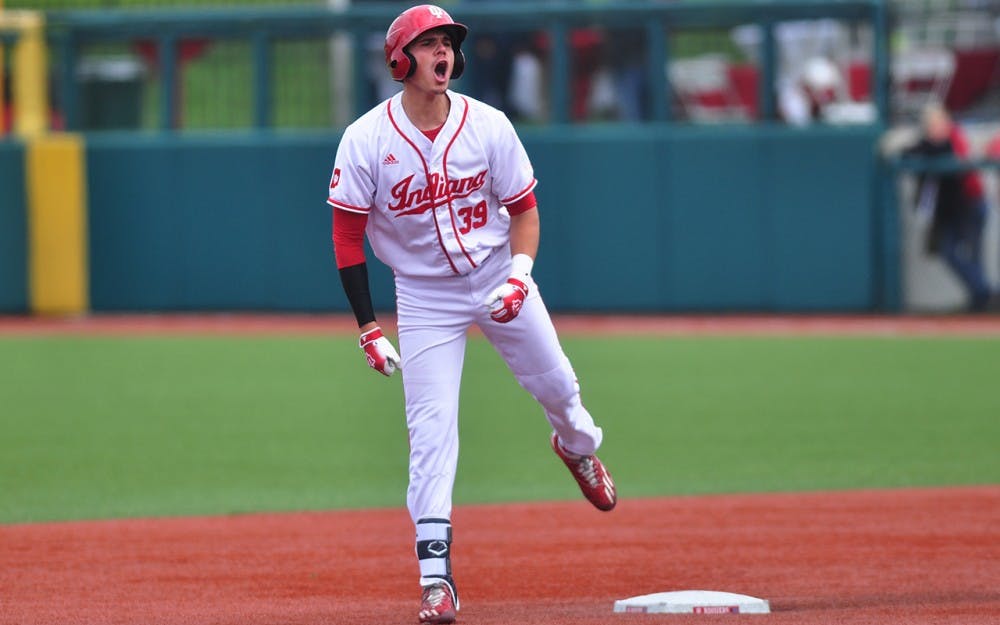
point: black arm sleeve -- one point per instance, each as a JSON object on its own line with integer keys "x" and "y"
{"x": 355, "y": 281}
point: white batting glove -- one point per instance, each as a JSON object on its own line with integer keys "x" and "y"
{"x": 381, "y": 355}
{"x": 505, "y": 301}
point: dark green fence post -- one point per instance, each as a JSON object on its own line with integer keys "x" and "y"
{"x": 880, "y": 73}
{"x": 262, "y": 79}
{"x": 361, "y": 102}
{"x": 888, "y": 279}
{"x": 765, "y": 97}
{"x": 657, "y": 58}
{"x": 560, "y": 85}
{"x": 168, "y": 82}
{"x": 69, "y": 95}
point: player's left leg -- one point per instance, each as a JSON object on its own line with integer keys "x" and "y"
{"x": 530, "y": 347}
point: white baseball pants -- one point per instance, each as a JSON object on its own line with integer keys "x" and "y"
{"x": 434, "y": 315}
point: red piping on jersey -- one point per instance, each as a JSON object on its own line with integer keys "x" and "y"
{"x": 427, "y": 175}
{"x": 348, "y": 207}
{"x": 444, "y": 166}
{"x": 521, "y": 193}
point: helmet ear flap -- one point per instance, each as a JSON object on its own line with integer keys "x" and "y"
{"x": 411, "y": 62}
{"x": 401, "y": 66}
{"x": 456, "y": 71}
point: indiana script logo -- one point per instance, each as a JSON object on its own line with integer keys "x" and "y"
{"x": 437, "y": 193}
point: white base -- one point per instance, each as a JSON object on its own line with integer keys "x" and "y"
{"x": 693, "y": 602}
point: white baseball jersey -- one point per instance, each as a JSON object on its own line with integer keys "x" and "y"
{"x": 434, "y": 208}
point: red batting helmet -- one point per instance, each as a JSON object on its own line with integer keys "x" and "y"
{"x": 412, "y": 23}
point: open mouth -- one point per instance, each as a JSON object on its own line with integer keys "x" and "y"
{"x": 441, "y": 69}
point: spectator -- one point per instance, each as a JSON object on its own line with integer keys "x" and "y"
{"x": 627, "y": 59}
{"x": 585, "y": 44}
{"x": 526, "y": 94}
{"x": 956, "y": 203}
{"x": 803, "y": 98}
{"x": 491, "y": 56}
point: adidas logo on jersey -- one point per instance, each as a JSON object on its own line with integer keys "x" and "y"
{"x": 390, "y": 160}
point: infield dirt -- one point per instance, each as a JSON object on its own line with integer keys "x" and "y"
{"x": 892, "y": 556}
{"x": 603, "y": 325}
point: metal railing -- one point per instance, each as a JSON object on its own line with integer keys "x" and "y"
{"x": 262, "y": 27}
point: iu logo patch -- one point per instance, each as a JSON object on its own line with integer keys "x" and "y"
{"x": 336, "y": 178}
{"x": 437, "y": 12}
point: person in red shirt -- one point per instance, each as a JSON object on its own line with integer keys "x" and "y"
{"x": 958, "y": 203}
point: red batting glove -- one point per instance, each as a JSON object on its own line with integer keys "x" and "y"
{"x": 381, "y": 355}
{"x": 506, "y": 300}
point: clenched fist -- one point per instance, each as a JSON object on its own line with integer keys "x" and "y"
{"x": 381, "y": 355}
{"x": 506, "y": 300}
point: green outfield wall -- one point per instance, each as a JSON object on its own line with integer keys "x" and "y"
{"x": 658, "y": 216}
{"x": 650, "y": 218}
{"x": 212, "y": 223}
{"x": 707, "y": 218}
{"x": 13, "y": 229}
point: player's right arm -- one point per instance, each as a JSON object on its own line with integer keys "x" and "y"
{"x": 351, "y": 193}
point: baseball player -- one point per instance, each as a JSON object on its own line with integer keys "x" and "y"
{"x": 443, "y": 189}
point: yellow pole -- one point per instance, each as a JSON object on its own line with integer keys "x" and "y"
{"x": 55, "y": 177}
{"x": 31, "y": 97}
{"x": 57, "y": 217}
{"x": 2, "y": 105}
{"x": 29, "y": 60}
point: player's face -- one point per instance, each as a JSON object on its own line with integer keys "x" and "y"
{"x": 435, "y": 60}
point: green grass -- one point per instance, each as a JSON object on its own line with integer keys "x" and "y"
{"x": 119, "y": 427}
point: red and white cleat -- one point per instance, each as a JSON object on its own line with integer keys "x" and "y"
{"x": 594, "y": 480}
{"x": 437, "y": 605}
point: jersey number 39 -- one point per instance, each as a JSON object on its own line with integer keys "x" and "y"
{"x": 472, "y": 217}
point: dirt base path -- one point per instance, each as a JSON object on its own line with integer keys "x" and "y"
{"x": 901, "y": 556}
{"x": 604, "y": 325}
